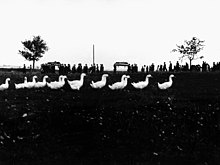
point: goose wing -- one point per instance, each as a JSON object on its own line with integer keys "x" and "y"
{"x": 117, "y": 85}
{"x": 164, "y": 85}
{"x": 76, "y": 86}
{"x": 4, "y": 86}
{"x": 54, "y": 85}
{"x": 19, "y": 86}
{"x": 98, "y": 84}
{"x": 140, "y": 84}
{"x": 29, "y": 85}
{"x": 40, "y": 84}
{"x": 92, "y": 84}
{"x": 74, "y": 82}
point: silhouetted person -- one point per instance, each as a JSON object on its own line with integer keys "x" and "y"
{"x": 114, "y": 68}
{"x": 214, "y": 67}
{"x": 135, "y": 68}
{"x": 24, "y": 69}
{"x": 170, "y": 67}
{"x": 151, "y": 67}
{"x": 158, "y": 68}
{"x": 129, "y": 68}
{"x": 69, "y": 69}
{"x": 74, "y": 69}
{"x": 161, "y": 68}
{"x": 147, "y": 70}
{"x": 92, "y": 68}
{"x": 164, "y": 67}
{"x": 142, "y": 69}
{"x": 101, "y": 68}
{"x": 66, "y": 69}
{"x": 85, "y": 69}
{"x": 177, "y": 66}
{"x": 79, "y": 68}
{"x": 208, "y": 67}
{"x": 132, "y": 68}
{"x": 61, "y": 69}
{"x": 97, "y": 68}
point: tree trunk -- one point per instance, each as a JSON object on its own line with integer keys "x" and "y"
{"x": 190, "y": 64}
{"x": 33, "y": 65}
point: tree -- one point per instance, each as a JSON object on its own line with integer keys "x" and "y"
{"x": 190, "y": 49}
{"x": 33, "y": 50}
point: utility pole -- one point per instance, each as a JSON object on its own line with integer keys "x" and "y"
{"x": 93, "y": 54}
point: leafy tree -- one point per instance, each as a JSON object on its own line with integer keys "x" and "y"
{"x": 33, "y": 49}
{"x": 190, "y": 49}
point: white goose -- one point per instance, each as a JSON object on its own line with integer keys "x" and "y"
{"x": 99, "y": 84}
{"x": 77, "y": 84}
{"x": 120, "y": 85}
{"x": 30, "y": 84}
{"x": 141, "y": 84}
{"x": 41, "y": 84}
{"x": 167, "y": 84}
{"x": 77, "y": 81}
{"x": 57, "y": 84}
{"x": 21, "y": 85}
{"x": 5, "y": 85}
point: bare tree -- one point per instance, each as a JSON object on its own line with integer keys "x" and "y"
{"x": 33, "y": 49}
{"x": 190, "y": 49}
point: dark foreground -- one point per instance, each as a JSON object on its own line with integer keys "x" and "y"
{"x": 178, "y": 126}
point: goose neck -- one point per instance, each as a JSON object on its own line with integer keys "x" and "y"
{"x": 44, "y": 79}
{"x": 33, "y": 79}
{"x": 60, "y": 78}
{"x": 147, "y": 79}
{"x": 125, "y": 81}
{"x": 25, "y": 80}
{"x": 170, "y": 79}
{"x": 103, "y": 79}
{"x": 63, "y": 80}
{"x": 6, "y": 81}
{"x": 82, "y": 78}
{"x": 123, "y": 77}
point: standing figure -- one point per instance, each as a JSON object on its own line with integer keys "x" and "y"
{"x": 24, "y": 69}
{"x": 170, "y": 67}
{"x": 114, "y": 68}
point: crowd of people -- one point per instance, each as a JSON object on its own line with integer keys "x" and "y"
{"x": 65, "y": 69}
{"x": 85, "y": 69}
{"x": 205, "y": 67}
{"x": 131, "y": 68}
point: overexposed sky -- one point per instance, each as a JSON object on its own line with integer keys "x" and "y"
{"x": 136, "y": 31}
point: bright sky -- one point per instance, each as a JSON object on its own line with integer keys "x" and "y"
{"x": 136, "y": 31}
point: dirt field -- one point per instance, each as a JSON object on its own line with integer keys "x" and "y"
{"x": 177, "y": 126}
